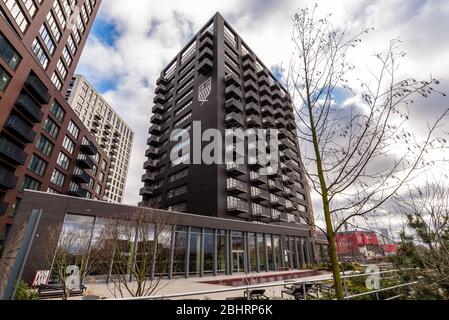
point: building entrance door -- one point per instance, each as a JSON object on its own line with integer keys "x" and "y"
{"x": 238, "y": 263}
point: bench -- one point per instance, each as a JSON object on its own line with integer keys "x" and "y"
{"x": 56, "y": 291}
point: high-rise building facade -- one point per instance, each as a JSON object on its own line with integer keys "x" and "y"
{"x": 43, "y": 144}
{"x": 110, "y": 130}
{"x": 219, "y": 82}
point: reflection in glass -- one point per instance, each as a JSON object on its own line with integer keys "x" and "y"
{"x": 209, "y": 244}
{"x": 252, "y": 251}
{"x": 277, "y": 251}
{"x": 261, "y": 248}
{"x": 179, "y": 255}
{"x": 270, "y": 252}
{"x": 195, "y": 251}
{"x": 221, "y": 251}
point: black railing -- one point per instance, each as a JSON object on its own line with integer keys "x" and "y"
{"x": 7, "y": 179}
{"x": 89, "y": 148}
{"x": 21, "y": 127}
{"x": 85, "y": 162}
{"x": 11, "y": 151}
{"x": 81, "y": 177}
{"x": 39, "y": 90}
{"x": 30, "y": 108}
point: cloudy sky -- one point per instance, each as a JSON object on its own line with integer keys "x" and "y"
{"x": 133, "y": 40}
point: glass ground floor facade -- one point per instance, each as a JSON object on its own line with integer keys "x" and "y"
{"x": 193, "y": 251}
{"x": 185, "y": 245}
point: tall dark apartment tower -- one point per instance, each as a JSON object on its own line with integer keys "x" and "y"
{"x": 217, "y": 80}
{"x": 43, "y": 144}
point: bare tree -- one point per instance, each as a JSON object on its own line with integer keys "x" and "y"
{"x": 359, "y": 154}
{"x": 140, "y": 246}
{"x": 425, "y": 238}
{"x": 73, "y": 254}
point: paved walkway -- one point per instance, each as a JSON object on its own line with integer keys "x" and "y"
{"x": 197, "y": 284}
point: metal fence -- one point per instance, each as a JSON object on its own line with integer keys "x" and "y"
{"x": 321, "y": 287}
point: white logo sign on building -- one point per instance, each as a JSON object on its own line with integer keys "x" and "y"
{"x": 204, "y": 91}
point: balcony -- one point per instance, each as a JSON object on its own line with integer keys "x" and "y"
{"x": 233, "y": 105}
{"x": 156, "y": 118}
{"x": 231, "y": 79}
{"x": 13, "y": 153}
{"x": 275, "y": 215}
{"x": 276, "y": 201}
{"x": 80, "y": 193}
{"x": 207, "y": 42}
{"x": 148, "y": 177}
{"x": 161, "y": 81}
{"x": 85, "y": 162}
{"x": 237, "y": 206}
{"x": 267, "y": 111}
{"x": 150, "y": 164}
{"x": 158, "y": 108}
{"x": 266, "y": 101}
{"x": 30, "y": 108}
{"x": 233, "y": 91}
{"x": 252, "y": 108}
{"x": 274, "y": 186}
{"x": 152, "y": 152}
{"x": 256, "y": 179}
{"x": 155, "y": 129}
{"x": 89, "y": 148}
{"x": 159, "y": 98}
{"x": 268, "y": 122}
{"x": 235, "y": 186}
{"x": 81, "y": 177}
{"x": 98, "y": 117}
{"x": 278, "y": 103}
{"x": 94, "y": 130}
{"x": 279, "y": 113}
{"x": 147, "y": 191}
{"x": 276, "y": 94}
{"x": 251, "y": 96}
{"x": 280, "y": 123}
{"x": 38, "y": 89}
{"x": 291, "y": 125}
{"x": 96, "y": 123}
{"x": 7, "y": 179}
{"x": 253, "y": 121}
{"x": 262, "y": 73}
{"x": 250, "y": 85}
{"x": 205, "y": 66}
{"x": 235, "y": 169}
{"x": 234, "y": 118}
{"x": 248, "y": 64}
{"x": 286, "y": 142}
{"x": 154, "y": 140}
{"x": 265, "y": 90}
{"x": 249, "y": 74}
{"x": 206, "y": 53}
{"x": 161, "y": 89}
{"x": 21, "y": 128}
{"x": 264, "y": 81}
{"x": 259, "y": 195}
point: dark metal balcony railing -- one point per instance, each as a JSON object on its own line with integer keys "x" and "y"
{"x": 80, "y": 193}
{"x": 81, "y": 177}
{"x": 7, "y": 179}
{"x": 89, "y": 148}
{"x": 85, "y": 161}
{"x": 30, "y": 108}
{"x": 236, "y": 186}
{"x": 12, "y": 152}
{"x": 237, "y": 169}
{"x": 21, "y": 128}
{"x": 39, "y": 90}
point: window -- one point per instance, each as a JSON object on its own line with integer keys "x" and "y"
{"x": 101, "y": 176}
{"x": 61, "y": 68}
{"x": 17, "y": 13}
{"x": 39, "y": 53}
{"x": 45, "y": 35}
{"x": 63, "y": 161}
{"x": 57, "y": 178}
{"x": 8, "y": 53}
{"x": 178, "y": 175}
{"x": 177, "y": 191}
{"x": 45, "y": 146}
{"x": 72, "y": 45}
{"x": 56, "y": 81}
{"x": 59, "y": 14}
{"x": 57, "y": 111}
{"x": 180, "y": 207}
{"x": 53, "y": 26}
{"x": 73, "y": 130}
{"x": 67, "y": 57}
{"x": 51, "y": 190}
{"x": 4, "y": 79}
{"x": 30, "y": 184}
{"x": 98, "y": 189}
{"x": 68, "y": 144}
{"x": 37, "y": 165}
{"x": 31, "y": 7}
{"x": 51, "y": 127}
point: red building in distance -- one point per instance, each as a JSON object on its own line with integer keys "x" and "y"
{"x": 358, "y": 245}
